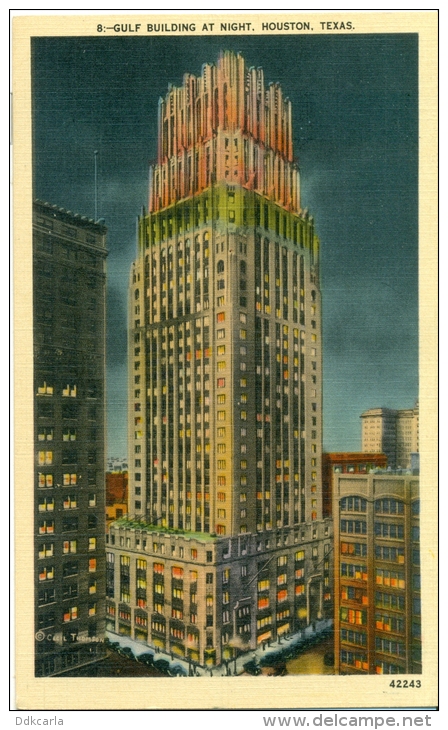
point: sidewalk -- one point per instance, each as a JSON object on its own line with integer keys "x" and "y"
{"x": 232, "y": 666}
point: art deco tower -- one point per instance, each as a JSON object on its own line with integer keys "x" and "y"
{"x": 225, "y": 394}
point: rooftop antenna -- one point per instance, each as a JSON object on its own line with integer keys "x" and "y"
{"x": 95, "y": 154}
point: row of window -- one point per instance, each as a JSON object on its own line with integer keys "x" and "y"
{"x": 386, "y": 506}
{"x": 69, "y": 411}
{"x": 46, "y": 550}
{"x": 47, "y": 480}
{"x": 48, "y": 595}
{"x": 47, "y": 572}
{"x": 46, "y": 433}
{"x": 69, "y": 501}
{"x": 70, "y": 390}
{"x": 68, "y": 525}
{"x": 70, "y": 613}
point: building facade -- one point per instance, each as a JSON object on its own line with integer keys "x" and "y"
{"x": 69, "y": 493}
{"x": 392, "y": 432}
{"x": 225, "y": 393}
{"x": 346, "y": 462}
{"x": 116, "y": 495}
{"x": 377, "y": 574}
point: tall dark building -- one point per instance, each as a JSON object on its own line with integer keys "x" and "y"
{"x": 228, "y": 547}
{"x": 69, "y": 491}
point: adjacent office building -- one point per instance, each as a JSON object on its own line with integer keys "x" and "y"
{"x": 227, "y": 547}
{"x": 377, "y": 574}
{"x": 69, "y": 368}
{"x": 394, "y": 433}
{"x": 345, "y": 462}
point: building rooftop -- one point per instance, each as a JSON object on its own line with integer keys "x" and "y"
{"x": 69, "y": 217}
{"x": 386, "y": 472}
{"x": 136, "y": 524}
{"x": 356, "y": 455}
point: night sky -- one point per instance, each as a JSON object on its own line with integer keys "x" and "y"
{"x": 355, "y": 125}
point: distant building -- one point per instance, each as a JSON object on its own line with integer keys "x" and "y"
{"x": 69, "y": 372}
{"x": 377, "y": 574}
{"x": 116, "y": 495}
{"x": 115, "y": 464}
{"x": 391, "y": 432}
{"x": 345, "y": 463}
{"x": 407, "y": 436}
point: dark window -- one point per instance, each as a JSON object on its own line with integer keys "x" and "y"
{"x": 45, "y": 410}
{"x": 70, "y": 456}
{"x": 70, "y": 410}
{"x": 69, "y": 568}
{"x": 69, "y": 523}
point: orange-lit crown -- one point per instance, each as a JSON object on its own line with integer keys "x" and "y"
{"x": 224, "y": 126}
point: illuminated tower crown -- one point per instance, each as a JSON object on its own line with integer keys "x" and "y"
{"x": 225, "y": 126}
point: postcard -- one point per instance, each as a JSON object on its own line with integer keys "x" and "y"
{"x": 225, "y": 360}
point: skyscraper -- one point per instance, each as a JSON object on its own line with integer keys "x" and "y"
{"x": 227, "y": 547}
{"x": 69, "y": 373}
{"x": 395, "y": 433}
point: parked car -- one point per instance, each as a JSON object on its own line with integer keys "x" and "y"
{"x": 329, "y": 659}
{"x": 177, "y": 670}
{"x": 252, "y": 668}
{"x": 162, "y": 665}
{"x": 268, "y": 660}
{"x": 126, "y": 651}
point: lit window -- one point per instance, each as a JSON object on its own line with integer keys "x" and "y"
{"x": 46, "y": 550}
{"x": 46, "y": 504}
{"x": 70, "y": 613}
{"x": 45, "y": 457}
{"x": 282, "y": 595}
{"x": 69, "y": 546}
